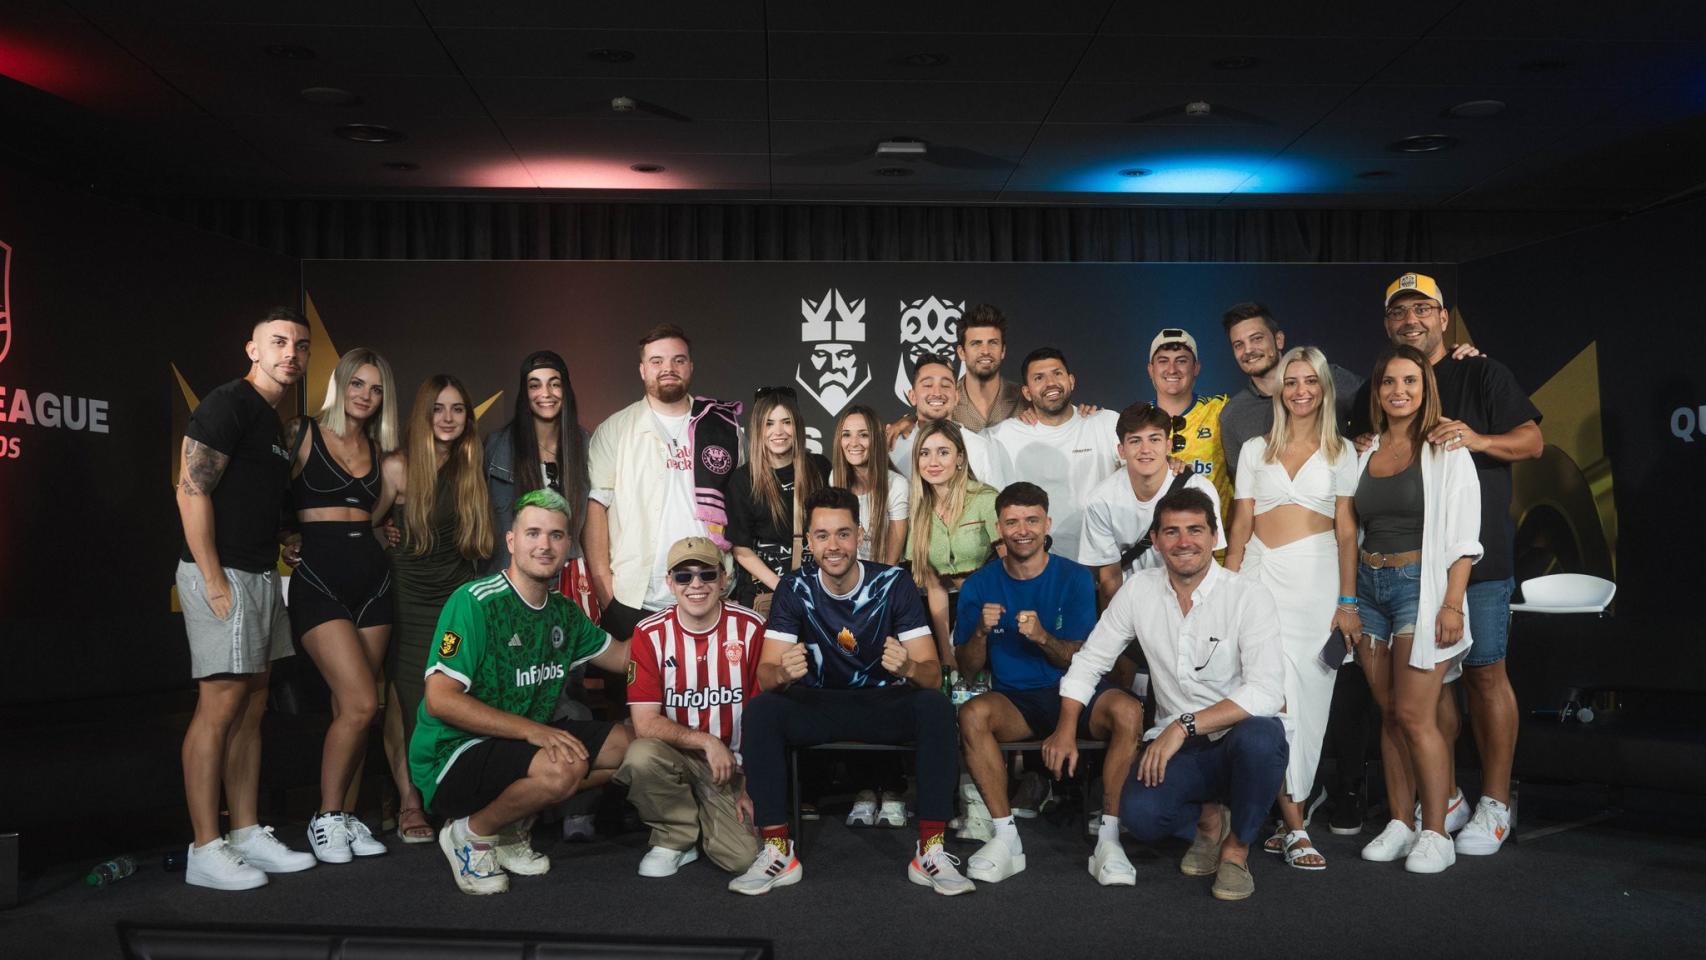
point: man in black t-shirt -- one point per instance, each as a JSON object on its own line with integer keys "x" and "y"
{"x": 1486, "y": 411}
{"x": 232, "y": 480}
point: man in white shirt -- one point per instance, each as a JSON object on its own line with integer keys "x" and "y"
{"x": 1065, "y": 452}
{"x": 659, "y": 469}
{"x": 934, "y": 394}
{"x": 1217, "y": 752}
{"x": 1117, "y": 513}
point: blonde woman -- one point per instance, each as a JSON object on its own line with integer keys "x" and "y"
{"x": 954, "y": 525}
{"x": 1294, "y": 529}
{"x": 860, "y": 463}
{"x": 440, "y": 497}
{"x": 763, "y": 499}
{"x": 340, "y": 595}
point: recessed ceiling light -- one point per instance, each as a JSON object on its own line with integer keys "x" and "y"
{"x": 369, "y": 133}
{"x": 1234, "y": 63}
{"x": 290, "y": 51}
{"x": 1374, "y": 174}
{"x": 1425, "y": 143}
{"x": 1136, "y": 172}
{"x": 1475, "y": 109}
{"x": 892, "y": 172}
{"x": 646, "y": 168}
{"x": 610, "y": 55}
{"x": 401, "y": 166}
{"x": 328, "y": 96}
{"x": 1544, "y": 65}
{"x": 922, "y": 60}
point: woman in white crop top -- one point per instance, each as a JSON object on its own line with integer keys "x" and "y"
{"x": 1294, "y": 529}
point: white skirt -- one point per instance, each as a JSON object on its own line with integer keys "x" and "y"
{"x": 1304, "y": 578}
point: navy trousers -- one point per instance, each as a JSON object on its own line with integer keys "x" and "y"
{"x": 1243, "y": 770}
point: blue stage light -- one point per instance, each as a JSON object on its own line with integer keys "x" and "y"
{"x": 1206, "y": 174}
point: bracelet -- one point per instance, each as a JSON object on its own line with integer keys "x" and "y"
{"x": 1348, "y": 607}
{"x": 1447, "y": 606}
{"x": 1351, "y": 601}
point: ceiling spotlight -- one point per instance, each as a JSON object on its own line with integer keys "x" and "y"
{"x": 892, "y": 172}
{"x": 610, "y": 55}
{"x": 622, "y": 104}
{"x": 290, "y": 51}
{"x": 646, "y": 167}
{"x": 1425, "y": 143}
{"x": 1234, "y": 63}
{"x": 1475, "y": 109}
{"x": 1374, "y": 174}
{"x": 904, "y": 147}
{"x": 922, "y": 60}
{"x": 401, "y": 166}
{"x": 328, "y": 96}
{"x": 1198, "y": 108}
{"x": 369, "y": 133}
{"x": 1136, "y": 172}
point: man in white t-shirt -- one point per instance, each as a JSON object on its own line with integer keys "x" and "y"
{"x": 1064, "y": 452}
{"x": 1119, "y": 511}
{"x": 659, "y": 469}
{"x": 934, "y": 394}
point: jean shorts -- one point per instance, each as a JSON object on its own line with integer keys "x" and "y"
{"x": 1489, "y": 605}
{"x": 1387, "y": 598}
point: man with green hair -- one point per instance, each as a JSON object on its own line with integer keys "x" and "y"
{"x": 483, "y": 754}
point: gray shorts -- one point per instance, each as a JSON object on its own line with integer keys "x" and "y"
{"x": 254, "y": 634}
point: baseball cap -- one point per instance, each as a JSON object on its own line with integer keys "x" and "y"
{"x": 694, "y": 548}
{"x": 1417, "y": 282}
{"x": 1173, "y": 335}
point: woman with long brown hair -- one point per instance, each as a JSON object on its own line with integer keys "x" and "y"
{"x": 954, "y": 525}
{"x": 447, "y": 535}
{"x": 859, "y": 462}
{"x": 764, "y": 498}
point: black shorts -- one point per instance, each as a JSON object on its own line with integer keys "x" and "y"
{"x": 1041, "y": 709}
{"x": 487, "y": 768}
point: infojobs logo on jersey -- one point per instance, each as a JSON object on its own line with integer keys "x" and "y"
{"x": 20, "y": 406}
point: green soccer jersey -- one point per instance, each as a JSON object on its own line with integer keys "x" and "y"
{"x": 505, "y": 654}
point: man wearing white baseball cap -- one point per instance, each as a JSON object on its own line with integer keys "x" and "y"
{"x": 1173, "y": 369}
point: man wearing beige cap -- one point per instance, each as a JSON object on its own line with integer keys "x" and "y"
{"x": 694, "y": 666}
{"x": 1173, "y": 369}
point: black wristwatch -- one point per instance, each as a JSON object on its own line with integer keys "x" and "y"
{"x": 1189, "y": 722}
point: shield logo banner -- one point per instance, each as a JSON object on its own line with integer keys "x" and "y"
{"x": 5, "y": 299}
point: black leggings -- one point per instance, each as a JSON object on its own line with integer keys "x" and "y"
{"x": 802, "y": 716}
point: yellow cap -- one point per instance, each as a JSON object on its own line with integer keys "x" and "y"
{"x": 1418, "y": 283}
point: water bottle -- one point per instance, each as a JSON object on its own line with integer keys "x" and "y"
{"x": 111, "y": 871}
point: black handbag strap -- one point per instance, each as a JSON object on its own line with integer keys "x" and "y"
{"x": 1148, "y": 539}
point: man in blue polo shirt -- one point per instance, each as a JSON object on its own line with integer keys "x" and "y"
{"x": 1025, "y": 616}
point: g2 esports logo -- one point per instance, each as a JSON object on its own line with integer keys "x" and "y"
{"x": 838, "y": 372}
{"x": 928, "y": 326}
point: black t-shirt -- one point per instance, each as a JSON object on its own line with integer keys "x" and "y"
{"x": 1484, "y": 394}
{"x": 750, "y": 522}
{"x": 248, "y": 501}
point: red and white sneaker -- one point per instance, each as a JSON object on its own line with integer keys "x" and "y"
{"x": 934, "y": 867}
{"x": 1487, "y": 829}
{"x": 1456, "y": 814}
{"x": 775, "y": 866}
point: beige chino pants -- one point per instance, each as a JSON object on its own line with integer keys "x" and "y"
{"x": 673, "y": 791}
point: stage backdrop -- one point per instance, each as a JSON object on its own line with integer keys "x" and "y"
{"x": 102, "y": 309}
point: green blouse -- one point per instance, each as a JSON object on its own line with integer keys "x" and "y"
{"x": 967, "y": 547}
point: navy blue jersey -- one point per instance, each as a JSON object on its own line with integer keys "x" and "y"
{"x": 844, "y": 635}
{"x": 1064, "y": 598}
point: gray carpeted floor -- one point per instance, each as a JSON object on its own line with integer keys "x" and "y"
{"x": 1604, "y": 891}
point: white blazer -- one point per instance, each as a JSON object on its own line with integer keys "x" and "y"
{"x": 1451, "y": 528}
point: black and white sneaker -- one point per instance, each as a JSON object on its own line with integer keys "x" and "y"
{"x": 775, "y": 866}
{"x": 936, "y": 868}
{"x": 328, "y": 837}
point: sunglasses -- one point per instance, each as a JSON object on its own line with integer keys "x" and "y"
{"x": 1178, "y": 428}
{"x": 763, "y": 392}
{"x": 704, "y": 575}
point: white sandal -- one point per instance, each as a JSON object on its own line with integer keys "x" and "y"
{"x": 1276, "y": 843}
{"x": 1297, "y": 846}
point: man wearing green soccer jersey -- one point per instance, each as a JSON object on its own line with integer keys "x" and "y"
{"x": 483, "y": 754}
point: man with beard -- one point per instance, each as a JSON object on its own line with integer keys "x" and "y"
{"x": 1257, "y": 344}
{"x": 1064, "y": 452}
{"x": 1217, "y": 752}
{"x": 660, "y": 470}
{"x": 934, "y": 395}
{"x": 985, "y": 398}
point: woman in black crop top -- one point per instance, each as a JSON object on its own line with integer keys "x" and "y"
{"x": 340, "y": 594}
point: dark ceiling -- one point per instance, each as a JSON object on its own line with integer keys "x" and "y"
{"x": 1015, "y": 101}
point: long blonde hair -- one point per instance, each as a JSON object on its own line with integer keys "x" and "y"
{"x": 765, "y": 489}
{"x": 875, "y": 478}
{"x": 1326, "y": 411}
{"x": 381, "y": 429}
{"x": 463, "y": 468}
{"x": 961, "y": 485}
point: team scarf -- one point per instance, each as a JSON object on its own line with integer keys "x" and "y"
{"x": 713, "y": 432}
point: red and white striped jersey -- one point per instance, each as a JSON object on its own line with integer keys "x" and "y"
{"x": 702, "y": 680}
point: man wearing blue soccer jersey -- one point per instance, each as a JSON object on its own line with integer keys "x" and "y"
{"x": 848, "y": 655}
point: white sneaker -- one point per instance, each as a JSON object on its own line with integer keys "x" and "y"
{"x": 362, "y": 842}
{"x": 892, "y": 813}
{"x": 1394, "y": 843}
{"x": 328, "y": 837}
{"x": 1110, "y": 866}
{"x": 472, "y": 862}
{"x": 1456, "y": 814}
{"x": 994, "y": 862}
{"x": 219, "y": 866}
{"x": 514, "y": 850}
{"x": 974, "y": 828}
{"x": 1487, "y": 829}
{"x": 579, "y": 828}
{"x": 263, "y": 851}
{"x": 775, "y": 866}
{"x": 864, "y": 812}
{"x": 1431, "y": 854}
{"x": 663, "y": 862}
{"x": 936, "y": 868}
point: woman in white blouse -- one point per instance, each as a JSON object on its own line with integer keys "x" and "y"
{"x": 1294, "y": 530}
{"x": 1419, "y": 509}
{"x": 860, "y": 463}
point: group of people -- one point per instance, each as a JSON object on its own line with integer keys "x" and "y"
{"x": 758, "y": 597}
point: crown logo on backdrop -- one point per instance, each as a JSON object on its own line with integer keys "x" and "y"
{"x": 847, "y": 327}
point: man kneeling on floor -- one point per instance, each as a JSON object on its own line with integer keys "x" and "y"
{"x": 1217, "y": 753}
{"x": 694, "y": 667}
{"x": 482, "y": 755}
{"x": 1025, "y": 615}
{"x": 848, "y": 655}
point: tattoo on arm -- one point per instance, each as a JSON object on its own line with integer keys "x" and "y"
{"x": 201, "y": 469}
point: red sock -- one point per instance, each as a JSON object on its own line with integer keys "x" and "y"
{"x": 775, "y": 833}
{"x": 930, "y": 831}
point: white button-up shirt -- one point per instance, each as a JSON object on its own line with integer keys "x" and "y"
{"x": 1226, "y": 648}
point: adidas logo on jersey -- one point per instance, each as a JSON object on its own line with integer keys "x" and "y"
{"x": 538, "y": 673}
{"x": 700, "y": 699}
{"x": 515, "y": 639}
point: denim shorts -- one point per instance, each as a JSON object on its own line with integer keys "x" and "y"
{"x": 1489, "y": 605}
{"x": 1387, "y": 598}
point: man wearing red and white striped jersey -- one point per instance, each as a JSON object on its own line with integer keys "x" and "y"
{"x": 692, "y": 668}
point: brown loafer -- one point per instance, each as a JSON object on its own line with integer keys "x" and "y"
{"x": 1203, "y": 857}
{"x": 1232, "y": 881}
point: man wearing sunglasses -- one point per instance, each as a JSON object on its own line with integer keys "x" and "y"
{"x": 693, "y": 668}
{"x": 1173, "y": 368}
